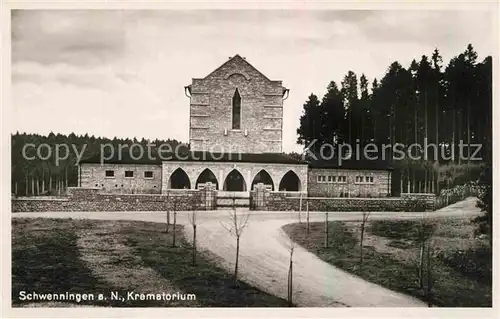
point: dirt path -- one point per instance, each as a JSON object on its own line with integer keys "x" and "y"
{"x": 264, "y": 261}
{"x": 264, "y": 255}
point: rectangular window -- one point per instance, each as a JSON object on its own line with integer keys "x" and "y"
{"x": 319, "y": 178}
{"x": 323, "y": 178}
{"x": 129, "y": 173}
{"x": 330, "y": 178}
{"x": 343, "y": 179}
{"x": 110, "y": 173}
{"x": 148, "y": 174}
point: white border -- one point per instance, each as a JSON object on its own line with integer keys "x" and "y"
{"x": 5, "y": 171}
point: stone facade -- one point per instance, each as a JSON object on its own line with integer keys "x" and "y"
{"x": 94, "y": 175}
{"x": 94, "y": 200}
{"x": 214, "y": 100}
{"x": 280, "y": 201}
{"x": 222, "y": 169}
{"x": 329, "y": 182}
{"x": 211, "y": 110}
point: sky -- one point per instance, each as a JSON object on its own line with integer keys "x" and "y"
{"x": 122, "y": 72}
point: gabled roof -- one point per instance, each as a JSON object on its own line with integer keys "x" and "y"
{"x": 197, "y": 156}
{"x": 353, "y": 163}
{"x": 238, "y": 58}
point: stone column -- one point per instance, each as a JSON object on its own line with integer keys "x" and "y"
{"x": 248, "y": 180}
{"x": 221, "y": 179}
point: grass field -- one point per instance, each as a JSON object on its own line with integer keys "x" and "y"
{"x": 85, "y": 256}
{"x": 391, "y": 257}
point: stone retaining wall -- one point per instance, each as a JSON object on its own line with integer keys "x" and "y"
{"x": 90, "y": 199}
{"x": 274, "y": 201}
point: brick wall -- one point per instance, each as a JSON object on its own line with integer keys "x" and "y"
{"x": 279, "y": 201}
{"x": 89, "y": 200}
{"x": 93, "y": 175}
{"x": 379, "y": 188}
{"x": 261, "y": 110}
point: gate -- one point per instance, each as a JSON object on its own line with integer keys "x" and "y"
{"x": 258, "y": 197}
{"x": 207, "y": 196}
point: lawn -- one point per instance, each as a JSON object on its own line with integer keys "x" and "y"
{"x": 461, "y": 265}
{"x": 86, "y": 256}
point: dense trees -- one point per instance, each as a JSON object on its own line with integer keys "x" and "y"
{"x": 42, "y": 175}
{"x": 424, "y": 101}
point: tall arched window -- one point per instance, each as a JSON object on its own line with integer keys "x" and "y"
{"x": 290, "y": 182}
{"x": 179, "y": 180}
{"x": 236, "y": 110}
{"x": 207, "y": 176}
{"x": 235, "y": 182}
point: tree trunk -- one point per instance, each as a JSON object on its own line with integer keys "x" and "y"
{"x": 168, "y": 212}
{"x": 421, "y": 266}
{"x": 43, "y": 181}
{"x": 175, "y": 223}
{"x": 437, "y": 131}
{"x": 37, "y": 187}
{"x": 425, "y": 117}
{"x": 425, "y": 180}
{"x": 15, "y": 188}
{"x": 66, "y": 177}
{"x": 414, "y": 182}
{"x": 32, "y": 186}
{"x": 408, "y": 184}
{"x": 290, "y": 283}
{"x": 350, "y": 124}
{"x": 461, "y": 135}
{"x": 415, "y": 121}
{"x": 168, "y": 220}
{"x": 453, "y": 136}
{"x": 361, "y": 244}
{"x": 437, "y": 183}
{"x": 237, "y": 259}
{"x": 300, "y": 208}
{"x": 326, "y": 230}
{"x": 194, "y": 245}
{"x": 429, "y": 278}
{"x": 307, "y": 217}
{"x": 50, "y": 184}
{"x": 468, "y": 130}
{"x": 362, "y": 127}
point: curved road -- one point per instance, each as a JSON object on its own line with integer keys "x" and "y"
{"x": 264, "y": 253}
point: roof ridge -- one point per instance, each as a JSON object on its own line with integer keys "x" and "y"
{"x": 244, "y": 60}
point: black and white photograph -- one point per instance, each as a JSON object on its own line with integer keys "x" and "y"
{"x": 246, "y": 157}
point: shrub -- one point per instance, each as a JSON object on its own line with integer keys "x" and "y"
{"x": 413, "y": 230}
{"x": 415, "y": 205}
{"x": 399, "y": 244}
{"x": 475, "y": 263}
